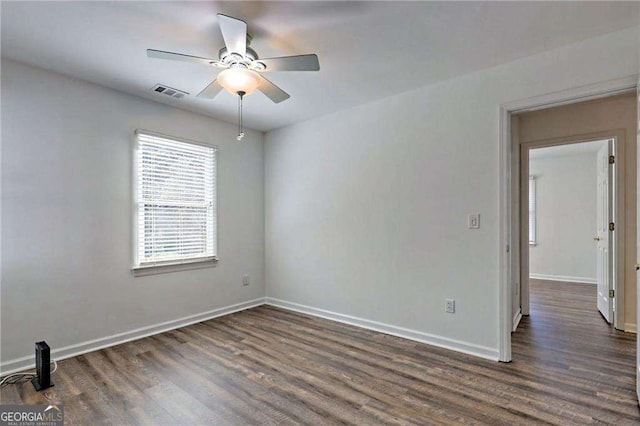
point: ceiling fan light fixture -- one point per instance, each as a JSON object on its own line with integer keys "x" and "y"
{"x": 236, "y": 80}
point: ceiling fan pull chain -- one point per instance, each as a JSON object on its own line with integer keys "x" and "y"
{"x": 240, "y": 130}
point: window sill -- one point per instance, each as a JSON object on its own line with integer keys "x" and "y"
{"x": 142, "y": 271}
{"x": 533, "y": 244}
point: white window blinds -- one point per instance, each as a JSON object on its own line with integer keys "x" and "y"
{"x": 175, "y": 201}
{"x": 532, "y": 210}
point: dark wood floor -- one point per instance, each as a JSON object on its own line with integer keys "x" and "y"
{"x": 270, "y": 366}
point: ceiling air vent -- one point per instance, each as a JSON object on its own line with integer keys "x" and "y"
{"x": 169, "y": 91}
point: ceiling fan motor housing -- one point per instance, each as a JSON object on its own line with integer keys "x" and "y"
{"x": 250, "y": 59}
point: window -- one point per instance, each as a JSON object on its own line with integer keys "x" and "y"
{"x": 175, "y": 191}
{"x": 532, "y": 210}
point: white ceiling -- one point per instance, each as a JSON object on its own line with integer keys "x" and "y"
{"x": 567, "y": 150}
{"x": 367, "y": 50}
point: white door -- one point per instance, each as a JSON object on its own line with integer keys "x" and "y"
{"x": 603, "y": 238}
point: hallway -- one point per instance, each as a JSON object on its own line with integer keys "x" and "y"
{"x": 565, "y": 343}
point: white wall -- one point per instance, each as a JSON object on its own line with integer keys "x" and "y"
{"x": 366, "y": 209}
{"x": 67, "y": 213}
{"x": 566, "y": 218}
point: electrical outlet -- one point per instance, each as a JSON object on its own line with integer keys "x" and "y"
{"x": 450, "y": 306}
{"x": 474, "y": 221}
{"x": 245, "y": 280}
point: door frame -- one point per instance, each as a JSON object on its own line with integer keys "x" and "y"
{"x": 618, "y": 184}
{"x": 506, "y": 238}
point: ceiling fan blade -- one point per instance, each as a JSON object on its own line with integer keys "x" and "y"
{"x": 272, "y": 91}
{"x": 160, "y": 54}
{"x": 234, "y": 33}
{"x": 292, "y": 63}
{"x": 211, "y": 91}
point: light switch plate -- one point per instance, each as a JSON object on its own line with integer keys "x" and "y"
{"x": 474, "y": 221}
{"x": 450, "y": 306}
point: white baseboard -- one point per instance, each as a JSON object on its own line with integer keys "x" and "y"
{"x": 566, "y": 278}
{"x": 418, "y": 336}
{"x": 630, "y": 328}
{"x": 27, "y": 361}
{"x": 516, "y": 320}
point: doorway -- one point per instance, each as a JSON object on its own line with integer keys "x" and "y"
{"x": 606, "y": 118}
{"x": 569, "y": 224}
{"x": 514, "y": 302}
{"x": 618, "y": 113}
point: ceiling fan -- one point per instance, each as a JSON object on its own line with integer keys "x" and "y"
{"x": 242, "y": 68}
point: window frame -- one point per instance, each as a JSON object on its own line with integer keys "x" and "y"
{"x": 533, "y": 211}
{"x": 170, "y": 265}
